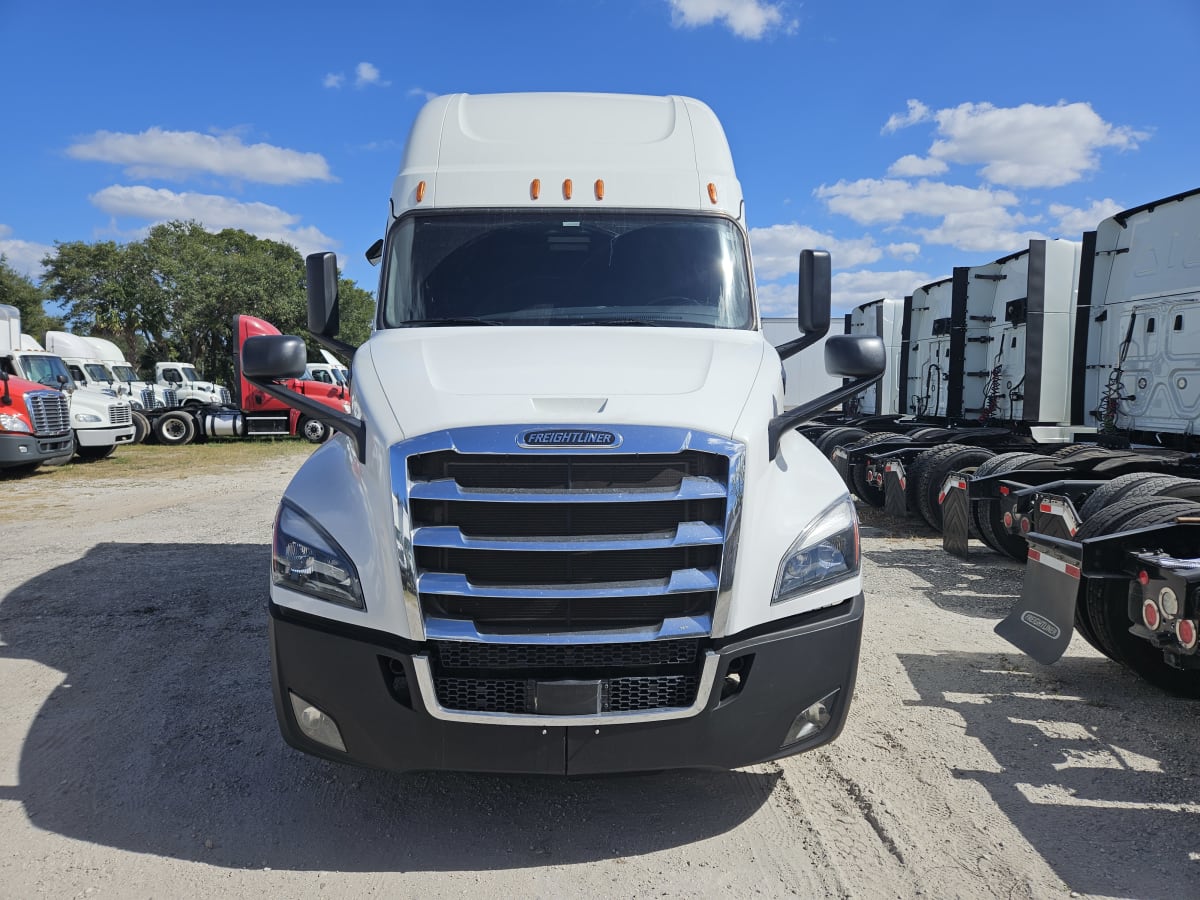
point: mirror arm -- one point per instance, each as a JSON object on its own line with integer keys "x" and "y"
{"x": 333, "y": 345}
{"x": 791, "y": 348}
{"x": 346, "y": 424}
{"x": 787, "y": 421}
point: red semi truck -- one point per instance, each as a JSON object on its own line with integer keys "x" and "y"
{"x": 35, "y": 425}
{"x": 253, "y": 413}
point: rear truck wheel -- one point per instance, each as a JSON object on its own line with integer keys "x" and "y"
{"x": 988, "y": 518}
{"x": 1108, "y": 603}
{"x": 835, "y": 437}
{"x": 312, "y": 430}
{"x": 870, "y": 494}
{"x": 174, "y": 429}
{"x": 91, "y": 454}
{"x": 1112, "y": 491}
{"x": 1141, "y": 485}
{"x": 933, "y": 467}
{"x": 141, "y": 427}
{"x": 928, "y": 433}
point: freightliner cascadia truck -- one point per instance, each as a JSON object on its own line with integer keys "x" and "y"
{"x": 568, "y": 526}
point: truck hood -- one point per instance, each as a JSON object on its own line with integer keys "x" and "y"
{"x": 438, "y": 378}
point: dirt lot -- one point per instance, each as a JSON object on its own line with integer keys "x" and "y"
{"x": 139, "y": 754}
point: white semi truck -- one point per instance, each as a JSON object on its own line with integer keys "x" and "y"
{"x": 189, "y": 386}
{"x": 99, "y": 419}
{"x": 568, "y": 526}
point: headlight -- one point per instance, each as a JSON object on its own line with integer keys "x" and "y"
{"x": 9, "y": 422}
{"x": 86, "y": 417}
{"x": 825, "y": 552}
{"x": 136, "y": 404}
{"x": 305, "y": 558}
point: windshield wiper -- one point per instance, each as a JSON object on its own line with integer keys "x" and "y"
{"x": 645, "y": 322}
{"x": 434, "y": 322}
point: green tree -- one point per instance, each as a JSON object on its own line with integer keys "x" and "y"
{"x": 17, "y": 289}
{"x": 356, "y": 311}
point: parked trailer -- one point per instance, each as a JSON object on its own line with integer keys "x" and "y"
{"x": 254, "y": 413}
{"x": 1135, "y": 379}
{"x": 980, "y": 372}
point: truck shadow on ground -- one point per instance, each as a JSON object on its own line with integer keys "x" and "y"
{"x": 1095, "y": 768}
{"x": 984, "y": 587}
{"x": 161, "y": 739}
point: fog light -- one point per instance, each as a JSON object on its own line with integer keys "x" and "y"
{"x": 811, "y": 721}
{"x": 316, "y": 724}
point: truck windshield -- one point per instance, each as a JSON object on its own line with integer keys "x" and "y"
{"x": 45, "y": 370}
{"x": 97, "y": 372}
{"x": 189, "y": 374}
{"x": 125, "y": 373}
{"x": 566, "y": 267}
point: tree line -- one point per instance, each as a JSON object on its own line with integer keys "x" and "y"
{"x": 173, "y": 294}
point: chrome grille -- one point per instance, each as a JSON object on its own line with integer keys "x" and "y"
{"x": 120, "y": 413}
{"x": 546, "y": 541}
{"x": 225, "y": 396}
{"x": 49, "y": 412}
{"x": 170, "y": 398}
{"x": 148, "y": 399}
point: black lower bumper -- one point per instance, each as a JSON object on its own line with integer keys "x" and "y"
{"x": 27, "y": 449}
{"x": 345, "y": 673}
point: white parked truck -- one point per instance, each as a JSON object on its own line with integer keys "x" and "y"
{"x": 568, "y": 526}
{"x": 99, "y": 419}
{"x": 189, "y": 386}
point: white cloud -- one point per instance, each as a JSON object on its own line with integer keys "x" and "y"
{"x": 334, "y": 80}
{"x": 912, "y": 166}
{"x": 1073, "y": 222}
{"x": 422, "y": 93}
{"x": 367, "y": 74}
{"x": 871, "y": 200}
{"x": 905, "y": 250}
{"x": 1029, "y": 145}
{"x": 156, "y": 153}
{"x": 917, "y": 112}
{"x": 24, "y": 256}
{"x": 777, "y": 249}
{"x": 850, "y": 289}
{"x": 992, "y": 230}
{"x": 750, "y": 19}
{"x": 212, "y": 211}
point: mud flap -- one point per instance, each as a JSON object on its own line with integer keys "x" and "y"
{"x": 956, "y": 515}
{"x": 1042, "y": 621}
{"x": 895, "y": 489}
{"x": 841, "y": 462}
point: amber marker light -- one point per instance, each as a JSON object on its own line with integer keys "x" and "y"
{"x": 599, "y": 188}
{"x": 420, "y": 191}
{"x": 712, "y": 192}
{"x": 568, "y": 188}
{"x": 535, "y": 188}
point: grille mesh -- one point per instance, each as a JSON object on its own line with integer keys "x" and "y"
{"x": 510, "y": 695}
{"x": 120, "y": 413}
{"x": 49, "y": 412}
{"x": 466, "y": 655}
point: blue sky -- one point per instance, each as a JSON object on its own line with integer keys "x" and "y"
{"x": 906, "y": 138}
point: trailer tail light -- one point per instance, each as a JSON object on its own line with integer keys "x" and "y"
{"x": 1026, "y": 524}
{"x": 1143, "y": 578}
{"x": 1150, "y": 615}
{"x": 1185, "y": 630}
{"x": 1008, "y": 520}
{"x": 1003, "y": 490}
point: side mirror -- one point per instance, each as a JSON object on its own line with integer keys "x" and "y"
{"x": 374, "y": 253}
{"x": 816, "y": 293}
{"x": 813, "y": 303}
{"x": 271, "y": 356}
{"x": 320, "y": 271}
{"x": 855, "y": 357}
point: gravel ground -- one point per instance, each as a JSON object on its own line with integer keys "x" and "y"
{"x": 139, "y": 755}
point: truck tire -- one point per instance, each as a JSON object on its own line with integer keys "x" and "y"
{"x": 987, "y": 514}
{"x": 1140, "y": 485}
{"x": 870, "y": 494}
{"x": 141, "y": 427}
{"x": 174, "y": 429}
{"x": 312, "y": 430}
{"x": 91, "y": 454}
{"x": 1112, "y": 491}
{"x": 932, "y": 468}
{"x": 1108, "y": 604}
{"x": 928, "y": 433}
{"x": 834, "y": 437}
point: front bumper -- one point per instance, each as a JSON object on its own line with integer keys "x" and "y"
{"x": 104, "y": 436}
{"x": 17, "y": 449}
{"x": 344, "y": 672}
